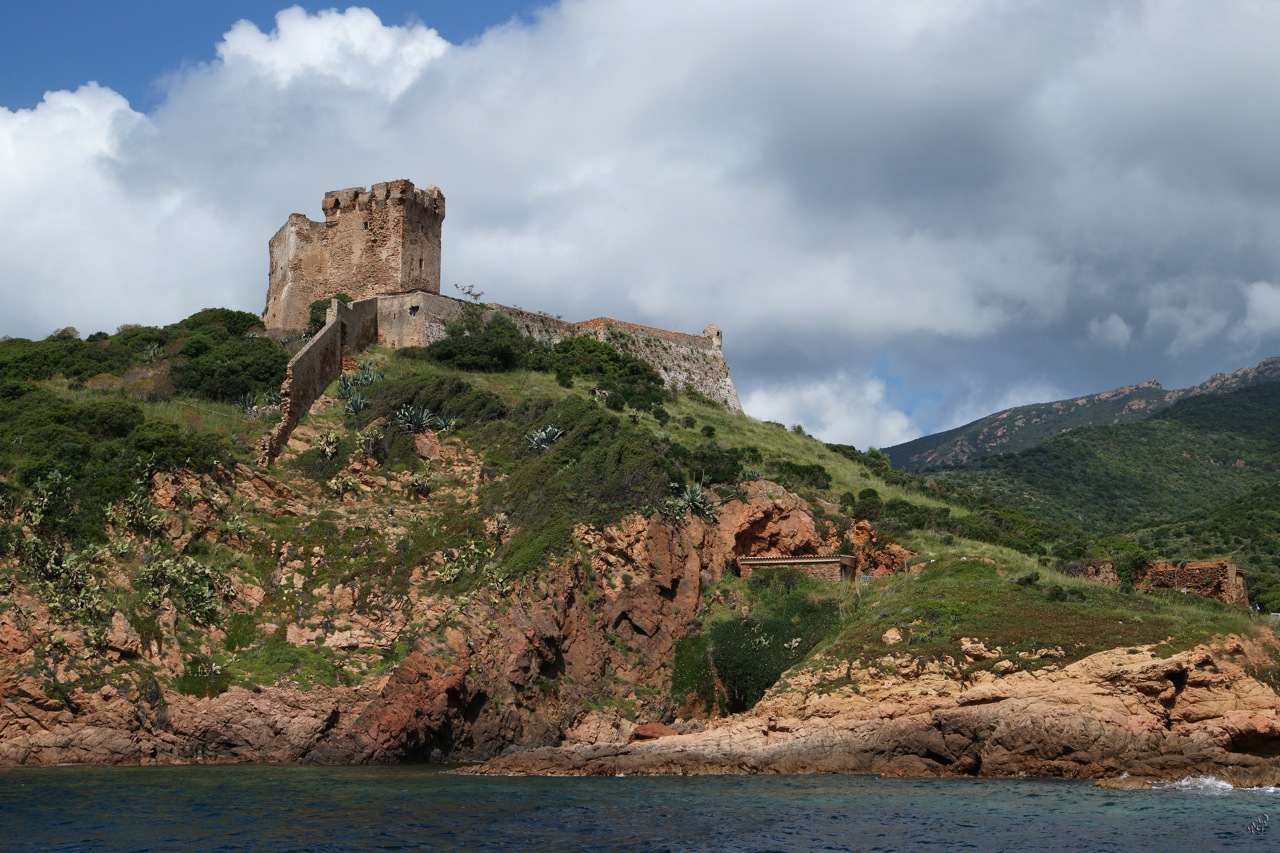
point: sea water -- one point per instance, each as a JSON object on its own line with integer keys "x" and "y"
{"x": 288, "y": 808}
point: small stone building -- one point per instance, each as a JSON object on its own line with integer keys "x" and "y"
{"x": 1218, "y": 579}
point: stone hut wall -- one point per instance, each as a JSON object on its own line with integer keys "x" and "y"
{"x": 1217, "y": 579}
{"x": 827, "y": 571}
{"x": 1098, "y": 571}
{"x": 416, "y": 318}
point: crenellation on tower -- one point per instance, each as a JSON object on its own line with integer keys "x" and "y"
{"x": 375, "y": 241}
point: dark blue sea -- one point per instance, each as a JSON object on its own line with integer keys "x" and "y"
{"x": 288, "y": 808}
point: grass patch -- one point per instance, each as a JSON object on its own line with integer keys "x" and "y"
{"x": 955, "y": 598}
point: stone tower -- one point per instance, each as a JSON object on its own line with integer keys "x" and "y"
{"x": 373, "y": 242}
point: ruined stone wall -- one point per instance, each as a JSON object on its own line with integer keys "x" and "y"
{"x": 683, "y": 361}
{"x": 1098, "y": 571}
{"x": 347, "y": 327}
{"x": 693, "y": 362}
{"x": 299, "y": 266}
{"x": 373, "y": 242}
{"x": 313, "y": 368}
{"x": 358, "y": 323}
{"x": 1218, "y": 579}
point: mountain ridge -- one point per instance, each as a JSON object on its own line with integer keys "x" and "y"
{"x": 1024, "y": 427}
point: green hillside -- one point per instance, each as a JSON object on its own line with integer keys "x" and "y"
{"x": 541, "y": 438}
{"x": 1026, "y": 427}
{"x": 1193, "y": 481}
{"x": 1192, "y": 457}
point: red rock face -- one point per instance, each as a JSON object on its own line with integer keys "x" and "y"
{"x": 522, "y": 666}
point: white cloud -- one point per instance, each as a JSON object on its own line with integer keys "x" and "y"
{"x": 1188, "y": 314}
{"x": 843, "y": 409}
{"x": 1111, "y": 332}
{"x": 956, "y": 186}
{"x": 1262, "y": 308}
{"x": 351, "y": 47}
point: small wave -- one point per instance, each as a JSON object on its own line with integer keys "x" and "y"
{"x": 1207, "y": 784}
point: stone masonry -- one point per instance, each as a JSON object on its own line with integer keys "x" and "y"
{"x": 372, "y": 242}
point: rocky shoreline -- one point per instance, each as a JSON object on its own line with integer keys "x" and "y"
{"x": 1126, "y": 716}
{"x": 553, "y": 675}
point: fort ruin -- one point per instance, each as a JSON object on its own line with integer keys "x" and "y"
{"x": 373, "y": 242}
{"x": 381, "y": 246}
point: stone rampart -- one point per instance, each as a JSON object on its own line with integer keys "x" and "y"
{"x": 308, "y": 373}
{"x": 683, "y": 361}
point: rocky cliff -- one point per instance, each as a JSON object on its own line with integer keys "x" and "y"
{"x": 361, "y": 628}
{"x": 581, "y": 652}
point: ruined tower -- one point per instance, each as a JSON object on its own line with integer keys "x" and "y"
{"x": 373, "y": 242}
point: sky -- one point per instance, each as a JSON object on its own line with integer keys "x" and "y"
{"x": 904, "y": 216}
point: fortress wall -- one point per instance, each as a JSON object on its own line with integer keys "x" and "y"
{"x": 359, "y": 324}
{"x": 683, "y": 361}
{"x": 693, "y": 362}
{"x": 415, "y": 319}
{"x": 314, "y": 367}
{"x": 299, "y": 268}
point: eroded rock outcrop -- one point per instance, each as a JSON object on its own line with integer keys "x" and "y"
{"x": 1124, "y": 711}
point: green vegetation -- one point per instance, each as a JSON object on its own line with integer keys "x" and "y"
{"x": 68, "y": 457}
{"x": 1018, "y": 615}
{"x": 1194, "y": 481}
{"x": 789, "y": 613}
{"x": 533, "y": 440}
{"x": 1021, "y": 612}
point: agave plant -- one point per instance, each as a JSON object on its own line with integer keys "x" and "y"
{"x": 347, "y": 386}
{"x": 414, "y": 419}
{"x": 541, "y": 439}
{"x": 356, "y": 404}
{"x": 367, "y": 373}
{"x": 693, "y": 499}
{"x": 248, "y": 401}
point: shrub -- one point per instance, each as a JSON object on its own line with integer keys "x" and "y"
{"x": 751, "y": 652}
{"x": 317, "y": 311}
